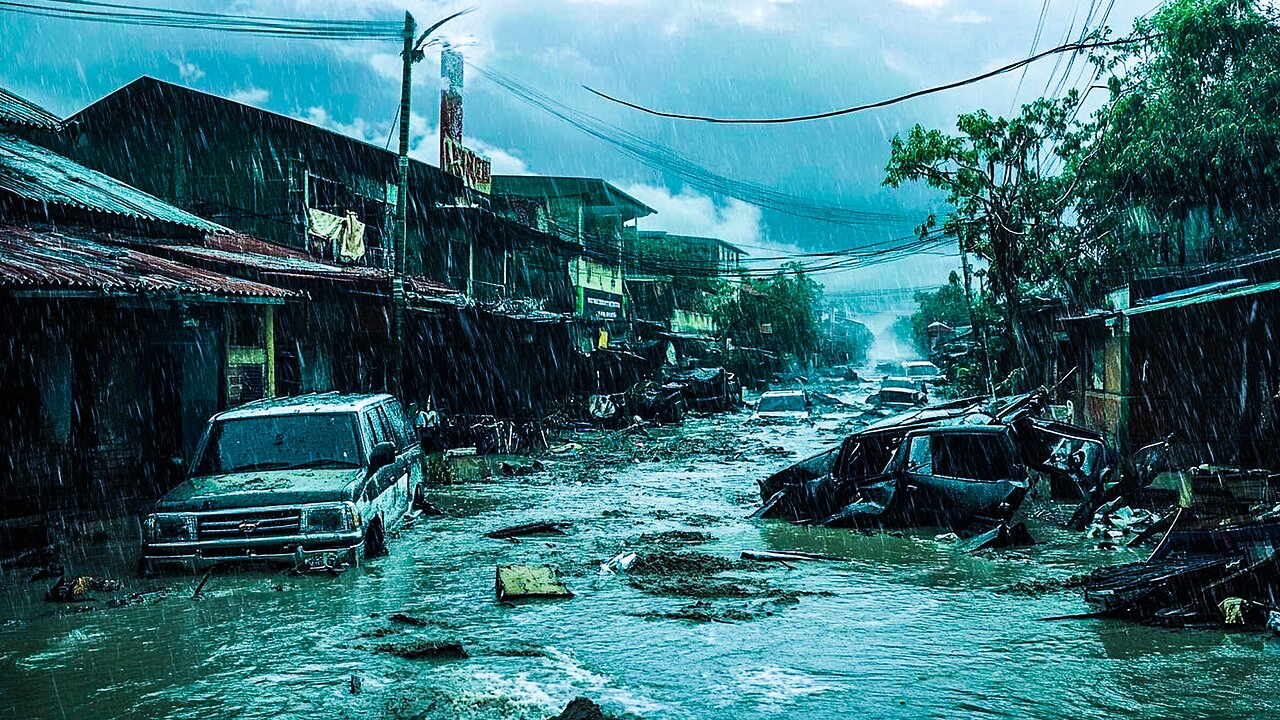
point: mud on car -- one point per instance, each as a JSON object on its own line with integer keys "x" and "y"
{"x": 288, "y": 480}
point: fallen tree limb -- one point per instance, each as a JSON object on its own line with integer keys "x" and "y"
{"x": 785, "y": 557}
{"x": 533, "y": 528}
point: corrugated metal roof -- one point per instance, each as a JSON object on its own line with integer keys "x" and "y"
{"x": 1207, "y": 297}
{"x": 273, "y": 261}
{"x": 39, "y": 174}
{"x": 596, "y": 191}
{"x": 22, "y": 112}
{"x": 53, "y": 261}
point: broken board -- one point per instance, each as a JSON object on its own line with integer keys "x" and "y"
{"x": 516, "y": 582}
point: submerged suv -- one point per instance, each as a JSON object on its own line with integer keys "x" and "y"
{"x": 289, "y": 479}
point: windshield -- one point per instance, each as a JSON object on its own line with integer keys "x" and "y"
{"x": 922, "y": 370}
{"x": 781, "y": 403}
{"x": 899, "y": 384}
{"x": 280, "y": 442}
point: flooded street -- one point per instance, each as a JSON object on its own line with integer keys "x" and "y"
{"x": 907, "y": 627}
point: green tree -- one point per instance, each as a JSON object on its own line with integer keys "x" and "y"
{"x": 778, "y": 313}
{"x": 1192, "y": 127}
{"x": 1006, "y": 208}
{"x": 945, "y": 305}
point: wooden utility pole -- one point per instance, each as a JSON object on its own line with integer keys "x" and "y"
{"x": 398, "y": 299}
{"x": 978, "y": 329}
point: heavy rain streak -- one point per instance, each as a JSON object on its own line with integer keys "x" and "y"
{"x": 640, "y": 359}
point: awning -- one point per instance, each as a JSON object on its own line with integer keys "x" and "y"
{"x": 62, "y": 264}
{"x": 1228, "y": 293}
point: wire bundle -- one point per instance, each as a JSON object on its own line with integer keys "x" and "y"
{"x": 667, "y": 160}
{"x": 298, "y": 28}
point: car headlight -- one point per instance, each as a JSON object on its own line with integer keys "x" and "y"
{"x": 328, "y": 518}
{"x": 169, "y": 527}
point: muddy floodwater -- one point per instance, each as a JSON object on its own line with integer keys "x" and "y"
{"x": 906, "y": 627}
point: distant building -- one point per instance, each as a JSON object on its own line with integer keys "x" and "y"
{"x": 671, "y": 278}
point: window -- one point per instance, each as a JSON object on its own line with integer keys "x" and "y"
{"x": 378, "y": 430}
{"x": 400, "y": 425}
{"x": 973, "y": 456}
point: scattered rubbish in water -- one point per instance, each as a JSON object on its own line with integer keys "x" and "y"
{"x": 199, "y": 591}
{"x": 785, "y": 556}
{"x": 1003, "y": 535}
{"x": 78, "y": 588}
{"x": 510, "y": 469}
{"x": 618, "y": 563}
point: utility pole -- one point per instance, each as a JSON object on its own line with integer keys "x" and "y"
{"x": 979, "y": 330}
{"x": 398, "y": 299}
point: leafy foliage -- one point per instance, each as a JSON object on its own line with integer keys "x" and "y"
{"x": 1192, "y": 126}
{"x": 784, "y": 304}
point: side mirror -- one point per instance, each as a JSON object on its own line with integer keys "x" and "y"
{"x": 383, "y": 454}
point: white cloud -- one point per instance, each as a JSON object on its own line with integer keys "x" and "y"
{"x": 970, "y": 18}
{"x": 689, "y": 212}
{"x": 251, "y": 96}
{"x": 188, "y": 71}
{"x": 925, "y": 4}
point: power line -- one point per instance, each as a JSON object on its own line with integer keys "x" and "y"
{"x": 141, "y": 16}
{"x": 1068, "y": 47}
{"x": 667, "y": 160}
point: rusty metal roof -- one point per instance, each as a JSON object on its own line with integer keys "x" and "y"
{"x": 276, "y": 262}
{"x": 68, "y": 263}
{"x": 21, "y": 112}
{"x": 35, "y": 173}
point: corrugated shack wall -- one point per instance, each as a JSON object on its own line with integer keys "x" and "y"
{"x": 102, "y": 396}
{"x": 247, "y": 167}
{"x": 1206, "y": 373}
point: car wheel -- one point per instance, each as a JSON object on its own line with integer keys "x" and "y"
{"x": 375, "y": 542}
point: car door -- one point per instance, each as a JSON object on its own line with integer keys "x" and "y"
{"x": 397, "y": 484}
{"x": 1075, "y": 458}
{"x": 409, "y": 450}
{"x": 379, "y": 490}
{"x": 961, "y": 475}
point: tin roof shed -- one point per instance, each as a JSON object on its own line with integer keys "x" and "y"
{"x": 64, "y": 263}
{"x": 40, "y": 175}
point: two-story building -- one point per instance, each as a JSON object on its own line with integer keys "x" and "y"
{"x": 588, "y": 212}
{"x": 325, "y": 197}
{"x": 114, "y": 356}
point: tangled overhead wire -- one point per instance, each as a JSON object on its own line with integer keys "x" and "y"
{"x": 139, "y": 15}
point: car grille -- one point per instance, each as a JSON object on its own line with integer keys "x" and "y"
{"x": 249, "y": 524}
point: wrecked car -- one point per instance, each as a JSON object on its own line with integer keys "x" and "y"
{"x": 782, "y": 405}
{"x": 288, "y": 480}
{"x": 922, "y": 370}
{"x": 899, "y": 391}
{"x": 959, "y": 464}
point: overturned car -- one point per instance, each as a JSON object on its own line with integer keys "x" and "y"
{"x": 960, "y": 464}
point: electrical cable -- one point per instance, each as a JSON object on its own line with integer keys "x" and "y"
{"x": 1065, "y": 48}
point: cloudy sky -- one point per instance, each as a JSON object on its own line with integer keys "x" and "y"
{"x": 729, "y": 57}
